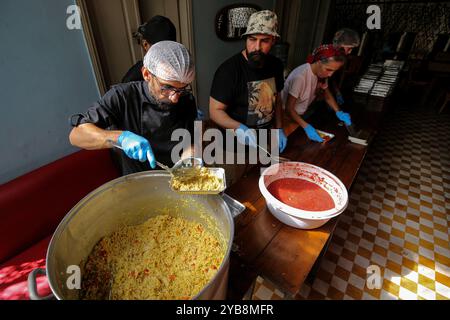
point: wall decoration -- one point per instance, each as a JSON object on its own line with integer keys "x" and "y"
{"x": 231, "y": 21}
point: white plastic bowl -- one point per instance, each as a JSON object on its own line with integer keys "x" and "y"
{"x": 298, "y": 218}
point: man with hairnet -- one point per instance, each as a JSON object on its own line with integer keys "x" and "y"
{"x": 245, "y": 89}
{"x": 141, "y": 116}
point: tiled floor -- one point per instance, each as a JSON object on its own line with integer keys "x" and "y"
{"x": 398, "y": 219}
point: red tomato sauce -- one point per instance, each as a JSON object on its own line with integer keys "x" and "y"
{"x": 301, "y": 194}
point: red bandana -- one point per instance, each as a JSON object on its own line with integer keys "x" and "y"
{"x": 324, "y": 51}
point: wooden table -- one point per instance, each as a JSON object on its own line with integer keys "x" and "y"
{"x": 265, "y": 246}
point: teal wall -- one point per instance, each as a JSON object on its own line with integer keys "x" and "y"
{"x": 45, "y": 75}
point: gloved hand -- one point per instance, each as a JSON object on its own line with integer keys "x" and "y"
{"x": 282, "y": 140}
{"x": 137, "y": 147}
{"x": 343, "y": 116}
{"x": 246, "y": 136}
{"x": 312, "y": 133}
{"x": 340, "y": 99}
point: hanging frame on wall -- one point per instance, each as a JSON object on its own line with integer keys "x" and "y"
{"x": 231, "y": 21}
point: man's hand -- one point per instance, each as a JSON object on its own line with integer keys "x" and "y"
{"x": 282, "y": 140}
{"x": 246, "y": 136}
{"x": 137, "y": 147}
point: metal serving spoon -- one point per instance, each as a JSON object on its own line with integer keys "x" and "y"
{"x": 274, "y": 158}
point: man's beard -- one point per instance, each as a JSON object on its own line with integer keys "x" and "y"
{"x": 164, "y": 106}
{"x": 256, "y": 59}
{"x": 160, "y": 104}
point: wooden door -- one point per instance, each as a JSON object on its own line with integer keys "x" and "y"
{"x": 108, "y": 27}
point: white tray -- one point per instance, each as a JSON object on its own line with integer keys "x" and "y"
{"x": 327, "y": 134}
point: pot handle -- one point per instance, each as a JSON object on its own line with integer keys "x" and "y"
{"x": 235, "y": 206}
{"x": 32, "y": 285}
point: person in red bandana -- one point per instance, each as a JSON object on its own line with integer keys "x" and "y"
{"x": 305, "y": 82}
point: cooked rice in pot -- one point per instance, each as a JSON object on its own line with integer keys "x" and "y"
{"x": 164, "y": 258}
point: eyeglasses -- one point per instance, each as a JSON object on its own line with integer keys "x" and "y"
{"x": 168, "y": 90}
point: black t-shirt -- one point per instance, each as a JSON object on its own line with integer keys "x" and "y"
{"x": 131, "y": 107}
{"x": 249, "y": 93}
{"x": 134, "y": 74}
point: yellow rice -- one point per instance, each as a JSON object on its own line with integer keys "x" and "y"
{"x": 200, "y": 180}
{"x": 164, "y": 258}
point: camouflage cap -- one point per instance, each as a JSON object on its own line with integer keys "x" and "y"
{"x": 263, "y": 22}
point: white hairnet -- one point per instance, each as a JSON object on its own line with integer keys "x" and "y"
{"x": 170, "y": 61}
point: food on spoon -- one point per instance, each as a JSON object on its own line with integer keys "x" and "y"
{"x": 196, "y": 179}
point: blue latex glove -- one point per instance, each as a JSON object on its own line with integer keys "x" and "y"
{"x": 343, "y": 116}
{"x": 340, "y": 99}
{"x": 137, "y": 147}
{"x": 282, "y": 140}
{"x": 246, "y": 136}
{"x": 312, "y": 133}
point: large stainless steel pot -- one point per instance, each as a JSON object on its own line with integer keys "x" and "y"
{"x": 131, "y": 200}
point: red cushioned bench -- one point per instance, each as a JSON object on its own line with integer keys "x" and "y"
{"x": 31, "y": 207}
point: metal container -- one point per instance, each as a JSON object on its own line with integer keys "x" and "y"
{"x": 131, "y": 200}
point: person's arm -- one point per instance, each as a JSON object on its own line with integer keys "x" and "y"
{"x": 218, "y": 115}
{"x": 282, "y": 138}
{"x": 279, "y": 82}
{"x": 290, "y": 107}
{"x": 89, "y": 136}
{"x": 329, "y": 99}
{"x": 91, "y": 130}
{"x": 278, "y": 112}
{"x": 309, "y": 130}
{"x": 343, "y": 116}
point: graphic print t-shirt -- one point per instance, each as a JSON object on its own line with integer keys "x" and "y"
{"x": 249, "y": 93}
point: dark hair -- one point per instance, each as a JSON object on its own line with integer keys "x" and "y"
{"x": 158, "y": 28}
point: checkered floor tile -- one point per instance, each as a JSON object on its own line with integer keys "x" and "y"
{"x": 265, "y": 290}
{"x": 397, "y": 223}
